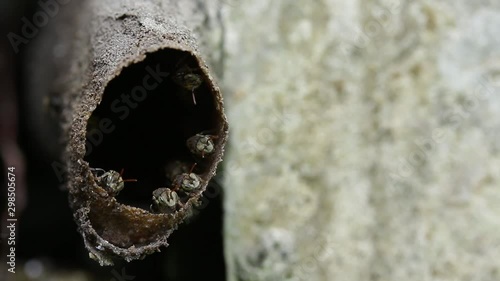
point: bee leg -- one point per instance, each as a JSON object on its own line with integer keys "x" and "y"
{"x": 194, "y": 98}
{"x": 127, "y": 180}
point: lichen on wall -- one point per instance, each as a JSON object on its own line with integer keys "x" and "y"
{"x": 364, "y": 143}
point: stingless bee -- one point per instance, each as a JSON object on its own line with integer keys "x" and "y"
{"x": 201, "y": 144}
{"x": 186, "y": 77}
{"x": 165, "y": 200}
{"x": 187, "y": 182}
{"x": 111, "y": 180}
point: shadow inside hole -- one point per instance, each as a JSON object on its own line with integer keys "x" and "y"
{"x": 144, "y": 120}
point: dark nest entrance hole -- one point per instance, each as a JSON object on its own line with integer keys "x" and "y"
{"x": 144, "y": 132}
{"x": 143, "y": 121}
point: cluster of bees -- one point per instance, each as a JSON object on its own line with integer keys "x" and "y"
{"x": 183, "y": 181}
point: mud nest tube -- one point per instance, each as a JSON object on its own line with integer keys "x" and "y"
{"x": 152, "y": 145}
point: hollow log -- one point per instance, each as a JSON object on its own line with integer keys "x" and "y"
{"x": 119, "y": 87}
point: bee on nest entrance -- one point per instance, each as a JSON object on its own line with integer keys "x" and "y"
{"x": 111, "y": 180}
{"x": 201, "y": 144}
{"x": 183, "y": 184}
{"x": 188, "y": 78}
{"x": 144, "y": 120}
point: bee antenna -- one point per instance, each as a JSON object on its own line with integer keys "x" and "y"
{"x": 127, "y": 180}
{"x": 192, "y": 168}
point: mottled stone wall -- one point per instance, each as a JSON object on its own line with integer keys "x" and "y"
{"x": 365, "y": 140}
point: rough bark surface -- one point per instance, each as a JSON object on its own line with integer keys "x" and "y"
{"x": 367, "y": 140}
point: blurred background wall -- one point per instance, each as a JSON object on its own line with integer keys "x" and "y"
{"x": 364, "y": 140}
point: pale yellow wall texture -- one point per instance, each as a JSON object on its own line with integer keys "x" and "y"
{"x": 365, "y": 140}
